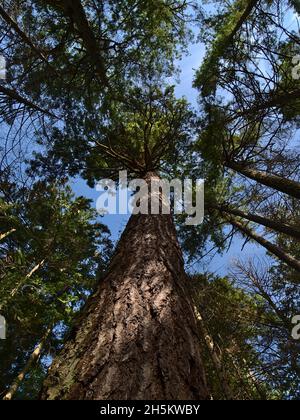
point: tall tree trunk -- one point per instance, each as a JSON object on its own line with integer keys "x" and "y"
{"x": 138, "y": 336}
{"x": 287, "y": 186}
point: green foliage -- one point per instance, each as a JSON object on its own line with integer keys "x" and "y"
{"x": 208, "y": 75}
{"x": 234, "y": 321}
{"x": 129, "y": 118}
{"x": 57, "y": 235}
{"x": 290, "y": 51}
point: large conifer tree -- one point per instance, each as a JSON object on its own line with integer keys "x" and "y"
{"x": 107, "y": 105}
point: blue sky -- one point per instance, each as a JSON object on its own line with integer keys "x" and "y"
{"x": 219, "y": 264}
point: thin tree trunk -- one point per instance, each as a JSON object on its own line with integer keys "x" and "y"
{"x": 22, "y": 35}
{"x": 21, "y": 283}
{"x": 269, "y": 223}
{"x": 216, "y": 357}
{"x": 138, "y": 336}
{"x": 33, "y": 359}
{"x": 273, "y": 249}
{"x": 12, "y": 94}
{"x": 6, "y": 234}
{"x": 28, "y": 276}
{"x": 287, "y": 186}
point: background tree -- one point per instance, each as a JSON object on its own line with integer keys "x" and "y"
{"x": 48, "y": 269}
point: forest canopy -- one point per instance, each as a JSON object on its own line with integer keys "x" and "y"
{"x": 89, "y": 89}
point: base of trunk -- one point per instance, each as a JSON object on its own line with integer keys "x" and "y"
{"x": 138, "y": 336}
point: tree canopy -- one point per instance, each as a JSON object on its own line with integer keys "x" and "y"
{"x": 90, "y": 91}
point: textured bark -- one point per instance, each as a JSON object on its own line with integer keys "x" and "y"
{"x": 287, "y": 186}
{"x": 138, "y": 336}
